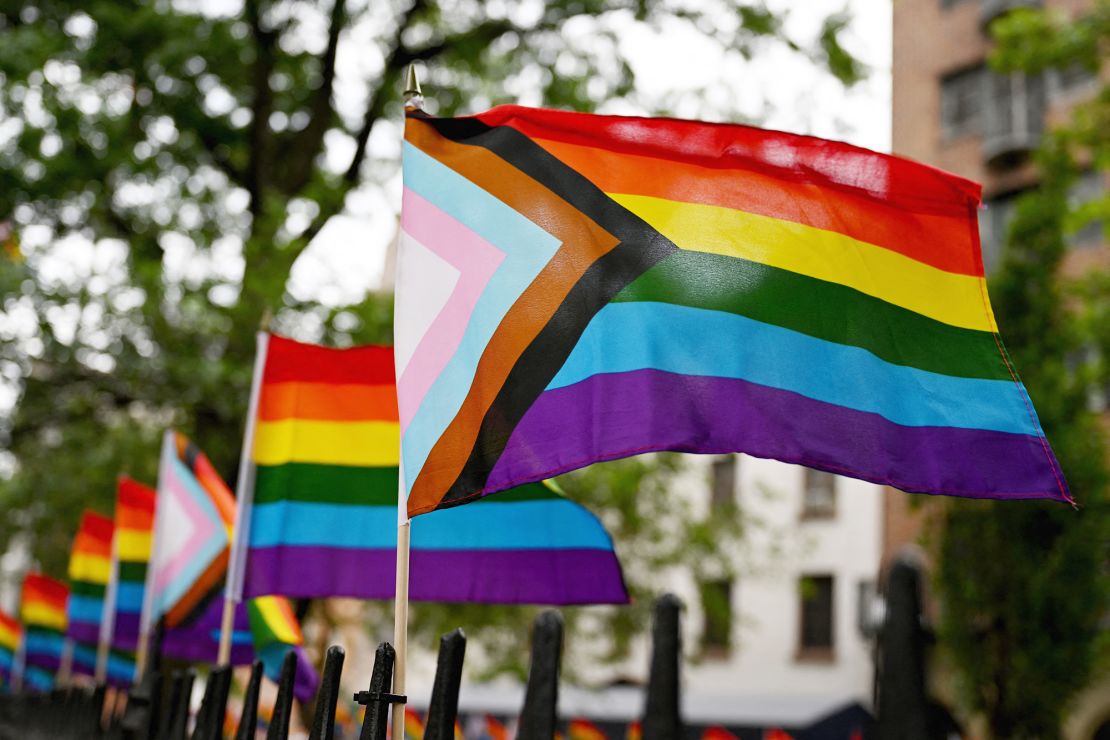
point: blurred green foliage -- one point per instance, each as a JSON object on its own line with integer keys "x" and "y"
{"x": 205, "y": 149}
{"x": 1024, "y": 587}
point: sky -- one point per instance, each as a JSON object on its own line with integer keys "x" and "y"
{"x": 778, "y": 89}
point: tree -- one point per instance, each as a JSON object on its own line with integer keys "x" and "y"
{"x": 1024, "y": 585}
{"x": 165, "y": 166}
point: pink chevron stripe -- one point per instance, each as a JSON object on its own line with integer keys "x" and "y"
{"x": 476, "y": 260}
{"x": 202, "y": 531}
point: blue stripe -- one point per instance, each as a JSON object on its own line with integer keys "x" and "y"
{"x": 527, "y": 249}
{"x": 84, "y": 608}
{"x": 84, "y": 658}
{"x": 624, "y": 337}
{"x": 536, "y": 525}
{"x": 7, "y": 659}
{"x": 42, "y": 643}
{"x": 38, "y": 679}
{"x": 129, "y": 597}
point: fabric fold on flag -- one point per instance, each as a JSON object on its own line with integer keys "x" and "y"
{"x": 324, "y": 509}
{"x": 574, "y": 288}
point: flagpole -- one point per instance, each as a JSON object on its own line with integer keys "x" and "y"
{"x": 244, "y": 498}
{"x": 146, "y": 615}
{"x": 413, "y": 102}
{"x": 108, "y": 612}
{"x": 19, "y": 662}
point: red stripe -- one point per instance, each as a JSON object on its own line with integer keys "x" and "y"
{"x": 888, "y": 201}
{"x": 288, "y": 360}
{"x": 44, "y": 589}
{"x": 10, "y": 623}
{"x": 95, "y": 528}
{"x": 130, "y": 494}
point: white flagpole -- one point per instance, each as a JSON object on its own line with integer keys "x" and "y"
{"x": 244, "y": 499}
{"x": 108, "y": 612}
{"x": 146, "y": 617}
{"x": 19, "y": 662}
{"x": 413, "y": 101}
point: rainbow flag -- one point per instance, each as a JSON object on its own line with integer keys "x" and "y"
{"x": 583, "y": 729}
{"x": 134, "y": 523}
{"x": 323, "y": 521}
{"x": 37, "y": 679}
{"x": 193, "y": 519}
{"x": 11, "y": 632}
{"x": 717, "y": 733}
{"x": 257, "y": 631}
{"x": 414, "y": 726}
{"x": 495, "y": 730}
{"x": 90, "y": 570}
{"x": 574, "y": 288}
{"x": 42, "y": 609}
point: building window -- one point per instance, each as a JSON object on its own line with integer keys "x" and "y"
{"x": 815, "y": 639}
{"x": 961, "y": 103}
{"x": 818, "y": 495}
{"x": 723, "y": 493}
{"x": 716, "y": 605}
{"x": 1014, "y": 117}
{"x": 1072, "y": 81}
{"x": 1086, "y": 192}
{"x": 994, "y": 224}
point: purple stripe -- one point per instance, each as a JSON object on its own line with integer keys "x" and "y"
{"x": 46, "y": 661}
{"x": 84, "y": 632}
{"x": 555, "y": 576}
{"x": 126, "y": 635}
{"x": 611, "y": 416}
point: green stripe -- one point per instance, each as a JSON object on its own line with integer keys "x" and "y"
{"x": 84, "y": 588}
{"x": 820, "y": 309}
{"x": 333, "y": 484}
{"x": 132, "y": 572}
{"x": 529, "y": 492}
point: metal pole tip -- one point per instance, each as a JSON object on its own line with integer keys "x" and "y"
{"x": 412, "y": 84}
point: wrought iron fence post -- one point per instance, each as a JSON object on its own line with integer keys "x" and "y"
{"x": 539, "y": 716}
{"x": 213, "y": 708}
{"x": 444, "y": 706}
{"x": 323, "y": 725}
{"x": 283, "y": 705}
{"x": 377, "y": 699}
{"x": 901, "y": 702}
{"x": 142, "y": 717}
{"x": 662, "y": 713}
{"x": 177, "y": 718}
{"x": 248, "y": 718}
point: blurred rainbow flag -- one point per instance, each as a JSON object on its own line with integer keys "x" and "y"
{"x": 42, "y": 609}
{"x": 583, "y": 729}
{"x": 414, "y": 726}
{"x": 11, "y": 631}
{"x": 90, "y": 570}
{"x": 135, "y": 504}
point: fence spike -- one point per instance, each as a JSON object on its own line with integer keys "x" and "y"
{"x": 662, "y": 714}
{"x": 539, "y": 716}
{"x": 323, "y": 725}
{"x": 283, "y": 705}
{"x": 248, "y": 718}
{"x": 213, "y": 708}
{"x": 177, "y": 718}
{"x": 376, "y": 700}
{"x": 444, "y": 706}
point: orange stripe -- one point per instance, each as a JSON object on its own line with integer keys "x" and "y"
{"x": 135, "y": 519}
{"x": 943, "y": 241}
{"x": 327, "y": 402}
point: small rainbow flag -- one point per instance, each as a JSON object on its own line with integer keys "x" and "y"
{"x": 275, "y": 631}
{"x": 11, "y": 632}
{"x": 193, "y": 520}
{"x": 495, "y": 730}
{"x": 134, "y": 520}
{"x": 414, "y": 726}
{"x": 90, "y": 570}
{"x": 717, "y": 733}
{"x": 324, "y": 512}
{"x": 42, "y": 609}
{"x": 583, "y": 729}
{"x": 634, "y": 732}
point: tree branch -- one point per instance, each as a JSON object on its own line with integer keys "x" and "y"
{"x": 258, "y": 168}
{"x": 307, "y": 143}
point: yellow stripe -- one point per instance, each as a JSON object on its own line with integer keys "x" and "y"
{"x": 89, "y": 568}
{"x": 9, "y": 638}
{"x": 41, "y": 615}
{"x": 959, "y": 300}
{"x": 133, "y": 545}
{"x": 280, "y": 621}
{"x": 364, "y": 443}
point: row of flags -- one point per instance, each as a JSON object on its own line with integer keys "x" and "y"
{"x": 320, "y": 508}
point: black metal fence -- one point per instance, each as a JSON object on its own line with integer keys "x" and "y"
{"x": 158, "y": 707}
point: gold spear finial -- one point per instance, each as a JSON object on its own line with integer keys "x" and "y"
{"x": 414, "y": 98}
